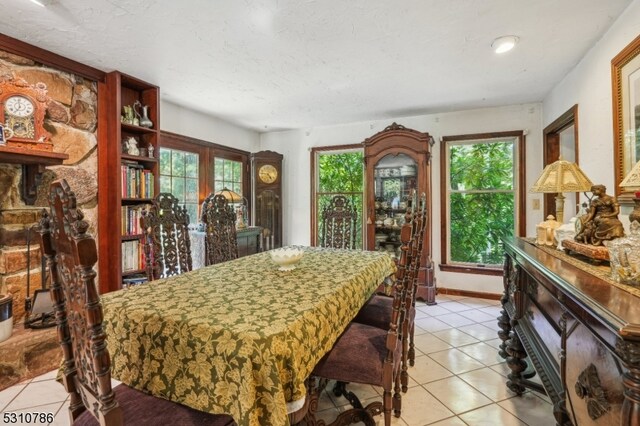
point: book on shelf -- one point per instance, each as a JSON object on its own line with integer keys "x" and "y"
{"x": 132, "y": 256}
{"x": 130, "y": 219}
{"x": 137, "y": 182}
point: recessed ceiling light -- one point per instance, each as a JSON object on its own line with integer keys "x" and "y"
{"x": 38, "y": 2}
{"x": 503, "y": 44}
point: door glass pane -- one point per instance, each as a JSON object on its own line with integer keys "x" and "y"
{"x": 165, "y": 161}
{"x": 218, "y": 169}
{"x": 165, "y": 183}
{"x": 177, "y": 166}
{"x": 177, "y": 189}
{"x": 192, "y": 190}
{"x": 191, "y": 165}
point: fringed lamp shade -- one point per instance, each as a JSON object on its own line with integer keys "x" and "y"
{"x": 234, "y": 197}
{"x": 231, "y": 196}
{"x": 562, "y": 176}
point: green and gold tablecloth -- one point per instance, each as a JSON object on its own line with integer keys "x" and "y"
{"x": 238, "y": 337}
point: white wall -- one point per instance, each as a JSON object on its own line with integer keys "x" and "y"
{"x": 295, "y": 145}
{"x": 188, "y": 122}
{"x": 589, "y": 86}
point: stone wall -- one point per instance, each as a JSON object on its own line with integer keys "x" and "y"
{"x": 72, "y": 121}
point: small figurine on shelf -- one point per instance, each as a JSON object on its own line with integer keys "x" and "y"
{"x": 131, "y": 146}
{"x": 150, "y": 150}
{"x": 127, "y": 114}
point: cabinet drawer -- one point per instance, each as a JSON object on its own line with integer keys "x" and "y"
{"x": 543, "y": 312}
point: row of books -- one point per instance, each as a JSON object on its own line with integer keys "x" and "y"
{"x": 130, "y": 223}
{"x": 132, "y": 256}
{"x": 137, "y": 182}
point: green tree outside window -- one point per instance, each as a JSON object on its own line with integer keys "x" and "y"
{"x": 341, "y": 174}
{"x": 482, "y": 200}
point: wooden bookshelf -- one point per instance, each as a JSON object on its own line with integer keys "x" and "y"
{"x": 116, "y": 91}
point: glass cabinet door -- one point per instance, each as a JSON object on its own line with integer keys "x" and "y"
{"x": 395, "y": 177}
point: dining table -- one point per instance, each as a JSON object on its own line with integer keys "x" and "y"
{"x": 239, "y": 337}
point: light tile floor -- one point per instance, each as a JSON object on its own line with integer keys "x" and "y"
{"x": 458, "y": 379}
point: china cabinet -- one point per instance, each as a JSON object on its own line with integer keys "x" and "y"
{"x": 397, "y": 161}
{"x": 127, "y": 174}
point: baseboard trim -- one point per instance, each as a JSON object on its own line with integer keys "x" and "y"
{"x": 467, "y": 293}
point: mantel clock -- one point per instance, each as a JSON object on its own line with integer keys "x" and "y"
{"x": 23, "y": 109}
{"x": 266, "y": 171}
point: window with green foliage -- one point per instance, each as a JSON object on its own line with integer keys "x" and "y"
{"x": 179, "y": 176}
{"x": 227, "y": 174}
{"x": 339, "y": 173}
{"x": 482, "y": 197}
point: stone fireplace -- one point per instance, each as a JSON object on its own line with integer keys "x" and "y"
{"x": 71, "y": 119}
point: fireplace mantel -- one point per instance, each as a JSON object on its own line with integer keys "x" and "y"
{"x": 33, "y": 162}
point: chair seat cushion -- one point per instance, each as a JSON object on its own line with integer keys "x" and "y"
{"x": 358, "y": 356}
{"x": 139, "y": 408}
{"x": 376, "y": 312}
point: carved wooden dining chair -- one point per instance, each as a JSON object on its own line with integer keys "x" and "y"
{"x": 378, "y": 309}
{"x": 221, "y": 243}
{"x": 71, "y": 254}
{"x": 339, "y": 224}
{"x": 167, "y": 247}
{"x": 371, "y": 355}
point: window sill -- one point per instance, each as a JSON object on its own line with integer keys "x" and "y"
{"x": 470, "y": 269}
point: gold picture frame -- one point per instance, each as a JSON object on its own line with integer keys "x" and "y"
{"x": 625, "y": 78}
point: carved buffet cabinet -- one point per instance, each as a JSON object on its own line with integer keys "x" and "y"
{"x": 580, "y": 334}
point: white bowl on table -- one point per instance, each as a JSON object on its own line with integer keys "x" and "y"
{"x": 286, "y": 257}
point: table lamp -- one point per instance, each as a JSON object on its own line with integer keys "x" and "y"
{"x": 632, "y": 183}
{"x": 562, "y": 176}
{"x": 235, "y": 198}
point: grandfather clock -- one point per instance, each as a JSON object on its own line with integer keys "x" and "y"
{"x": 266, "y": 176}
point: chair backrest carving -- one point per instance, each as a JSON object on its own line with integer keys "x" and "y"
{"x": 167, "y": 246}
{"x": 339, "y": 224}
{"x": 219, "y": 220}
{"x": 419, "y": 227}
{"x": 71, "y": 255}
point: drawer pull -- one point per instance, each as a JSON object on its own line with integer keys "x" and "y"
{"x": 588, "y": 387}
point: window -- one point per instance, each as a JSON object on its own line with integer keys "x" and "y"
{"x": 179, "y": 176}
{"x": 191, "y": 169}
{"x": 228, "y": 174}
{"x": 337, "y": 172}
{"x": 482, "y": 199}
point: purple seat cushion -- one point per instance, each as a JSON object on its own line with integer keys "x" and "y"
{"x": 139, "y": 408}
{"x": 358, "y": 356}
{"x": 376, "y": 312}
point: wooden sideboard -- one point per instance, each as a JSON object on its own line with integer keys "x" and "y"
{"x": 580, "y": 334}
{"x": 249, "y": 240}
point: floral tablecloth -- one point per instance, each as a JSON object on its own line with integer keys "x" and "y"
{"x": 239, "y": 337}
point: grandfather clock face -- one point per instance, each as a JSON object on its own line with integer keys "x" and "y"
{"x": 267, "y": 178}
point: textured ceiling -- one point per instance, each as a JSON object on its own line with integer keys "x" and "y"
{"x": 281, "y": 64}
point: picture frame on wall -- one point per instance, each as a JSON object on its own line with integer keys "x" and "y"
{"x": 625, "y": 75}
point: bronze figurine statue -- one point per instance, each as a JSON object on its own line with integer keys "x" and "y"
{"x": 601, "y": 221}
